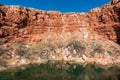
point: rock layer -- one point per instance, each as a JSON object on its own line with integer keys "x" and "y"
{"x": 92, "y": 37}
{"x": 21, "y": 24}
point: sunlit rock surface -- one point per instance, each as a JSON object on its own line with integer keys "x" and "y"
{"x": 28, "y": 35}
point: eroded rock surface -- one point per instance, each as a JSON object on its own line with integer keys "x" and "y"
{"x": 90, "y": 37}
{"x": 21, "y": 24}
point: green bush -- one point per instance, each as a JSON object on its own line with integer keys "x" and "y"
{"x": 19, "y": 49}
{"x": 77, "y": 46}
{"x": 2, "y": 51}
{"x": 97, "y": 48}
{"x": 113, "y": 51}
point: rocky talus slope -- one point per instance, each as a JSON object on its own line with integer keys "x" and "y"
{"x": 28, "y": 35}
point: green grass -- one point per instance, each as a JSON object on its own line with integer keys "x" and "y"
{"x": 57, "y": 71}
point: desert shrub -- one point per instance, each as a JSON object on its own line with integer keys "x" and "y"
{"x": 76, "y": 46}
{"x": 52, "y": 45}
{"x": 46, "y": 48}
{"x": 113, "y": 51}
{"x": 2, "y": 51}
{"x": 41, "y": 49}
{"x": 19, "y": 49}
{"x": 97, "y": 48}
{"x": 3, "y": 63}
{"x": 45, "y": 54}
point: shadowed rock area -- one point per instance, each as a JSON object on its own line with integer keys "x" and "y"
{"x": 29, "y": 35}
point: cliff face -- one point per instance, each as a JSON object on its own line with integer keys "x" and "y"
{"x": 21, "y": 24}
{"x": 105, "y": 21}
{"x": 80, "y": 37}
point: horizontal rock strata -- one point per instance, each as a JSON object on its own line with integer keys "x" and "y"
{"x": 27, "y": 34}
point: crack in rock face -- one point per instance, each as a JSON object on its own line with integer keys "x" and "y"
{"x": 115, "y": 1}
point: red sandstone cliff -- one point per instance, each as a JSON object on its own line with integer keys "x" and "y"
{"x": 18, "y": 24}
{"x": 92, "y": 37}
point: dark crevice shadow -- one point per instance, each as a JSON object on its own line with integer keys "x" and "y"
{"x": 117, "y": 31}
